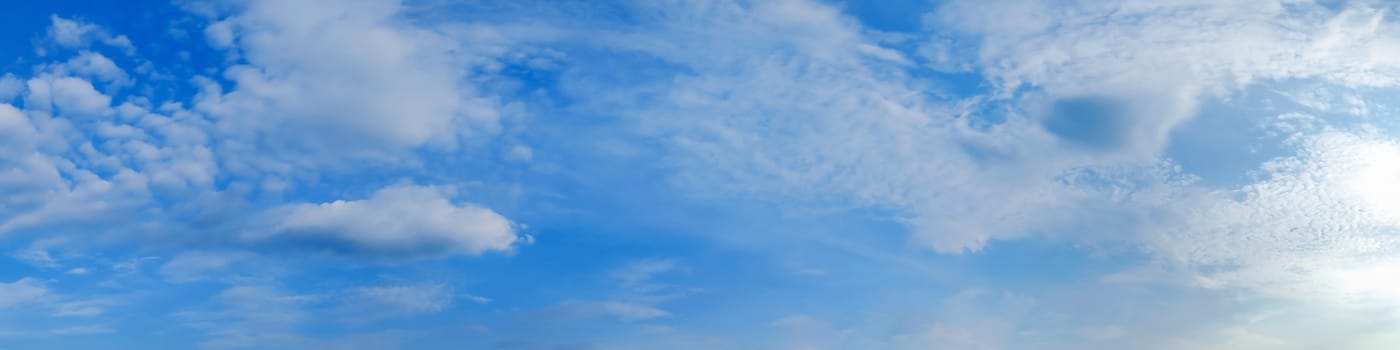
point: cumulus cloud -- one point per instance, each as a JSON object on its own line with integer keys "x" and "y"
{"x": 339, "y": 78}
{"x": 398, "y": 221}
{"x": 791, "y": 102}
{"x": 71, "y": 96}
{"x": 41, "y": 184}
{"x": 307, "y": 78}
{"x": 95, "y": 66}
{"x": 77, "y": 34}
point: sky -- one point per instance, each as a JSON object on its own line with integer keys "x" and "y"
{"x": 700, "y": 174}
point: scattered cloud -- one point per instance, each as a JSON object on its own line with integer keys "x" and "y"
{"x": 403, "y": 221}
{"x": 22, "y": 292}
{"x": 339, "y": 81}
{"x": 253, "y": 316}
{"x": 77, "y": 34}
{"x": 202, "y": 265}
{"x": 83, "y": 308}
{"x": 80, "y": 330}
{"x": 401, "y": 300}
{"x": 36, "y": 257}
{"x": 994, "y": 121}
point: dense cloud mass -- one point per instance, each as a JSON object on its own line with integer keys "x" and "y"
{"x": 719, "y": 174}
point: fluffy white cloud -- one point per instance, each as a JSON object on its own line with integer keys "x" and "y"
{"x": 353, "y": 74}
{"x": 340, "y": 79}
{"x": 396, "y": 221}
{"x": 95, "y": 66}
{"x": 72, "y": 97}
{"x": 75, "y": 34}
{"x": 43, "y": 186}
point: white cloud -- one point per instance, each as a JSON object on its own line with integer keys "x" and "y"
{"x": 1327, "y": 210}
{"x": 24, "y": 291}
{"x": 73, "y": 97}
{"x": 80, "y": 330}
{"x": 84, "y": 308}
{"x": 625, "y": 311}
{"x": 357, "y": 75}
{"x": 520, "y": 153}
{"x": 477, "y": 299}
{"x": 253, "y": 316}
{"x": 972, "y": 319}
{"x": 219, "y": 34}
{"x": 77, "y": 97}
{"x": 632, "y": 312}
{"x": 396, "y": 221}
{"x": 401, "y": 300}
{"x": 15, "y": 127}
{"x": 342, "y": 79}
{"x": 791, "y": 105}
{"x": 638, "y": 296}
{"x": 68, "y": 32}
{"x": 198, "y": 266}
{"x": 10, "y": 87}
{"x": 1158, "y": 57}
{"x": 95, "y": 66}
{"x": 797, "y": 104}
{"x": 642, "y": 271}
{"x": 76, "y": 34}
{"x": 36, "y": 257}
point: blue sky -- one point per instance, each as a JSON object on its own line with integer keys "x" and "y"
{"x": 709, "y": 174}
